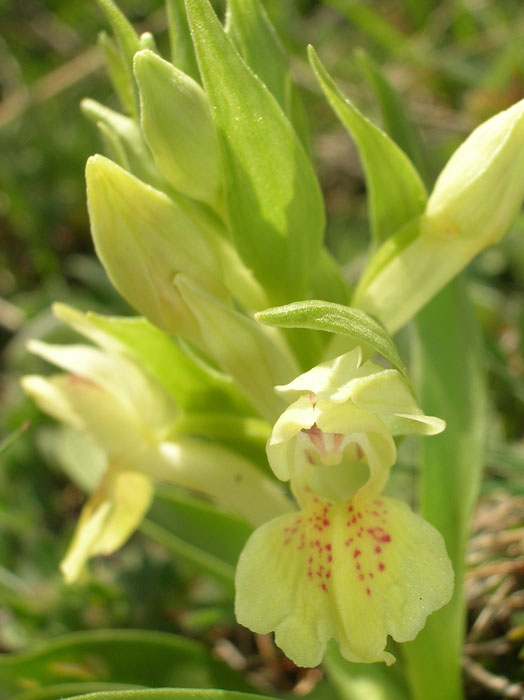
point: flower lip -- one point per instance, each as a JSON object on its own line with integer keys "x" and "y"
{"x": 356, "y": 570}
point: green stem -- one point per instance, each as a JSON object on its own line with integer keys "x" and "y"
{"x": 450, "y": 380}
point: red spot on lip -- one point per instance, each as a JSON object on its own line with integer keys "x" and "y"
{"x": 330, "y": 559}
{"x": 328, "y": 547}
{"x": 356, "y": 553}
{"x": 378, "y": 549}
{"x": 361, "y": 577}
{"x": 381, "y": 566}
{"x": 368, "y": 592}
{"x": 379, "y": 534}
{"x": 350, "y": 509}
{"x": 323, "y": 587}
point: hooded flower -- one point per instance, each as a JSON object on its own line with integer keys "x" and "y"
{"x": 351, "y": 564}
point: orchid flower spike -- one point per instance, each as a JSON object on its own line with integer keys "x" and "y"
{"x": 352, "y": 564}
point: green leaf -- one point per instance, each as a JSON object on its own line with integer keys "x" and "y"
{"x": 199, "y": 532}
{"x": 252, "y": 33}
{"x": 396, "y": 123}
{"x": 69, "y": 690}
{"x": 274, "y": 201}
{"x": 167, "y": 694}
{"x": 125, "y": 35}
{"x": 6, "y": 443}
{"x": 250, "y": 29}
{"x": 335, "y": 318}
{"x": 129, "y": 44}
{"x": 372, "y": 24}
{"x": 120, "y": 76}
{"x": 395, "y": 191}
{"x": 182, "y": 53}
{"x": 449, "y": 367}
{"x": 135, "y": 657}
{"x": 328, "y": 282}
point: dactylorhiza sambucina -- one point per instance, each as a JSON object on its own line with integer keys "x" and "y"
{"x": 351, "y": 564}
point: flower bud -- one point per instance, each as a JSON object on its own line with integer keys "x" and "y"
{"x": 143, "y": 241}
{"x": 475, "y": 200}
{"x": 479, "y": 193}
{"x": 178, "y": 126}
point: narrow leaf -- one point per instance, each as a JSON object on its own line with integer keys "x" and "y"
{"x": 125, "y": 35}
{"x": 396, "y": 123}
{"x": 252, "y": 33}
{"x": 136, "y": 657}
{"x": 168, "y": 694}
{"x": 182, "y": 52}
{"x": 335, "y": 318}
{"x": 119, "y": 74}
{"x": 128, "y": 43}
{"x": 70, "y": 690}
{"x": 396, "y": 192}
{"x": 274, "y": 202}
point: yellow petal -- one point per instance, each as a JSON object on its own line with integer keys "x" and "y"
{"x": 281, "y": 446}
{"x": 108, "y": 519}
{"x": 325, "y": 379}
{"x": 352, "y": 570}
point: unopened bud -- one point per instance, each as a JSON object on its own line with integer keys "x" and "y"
{"x": 178, "y": 127}
{"x": 143, "y": 241}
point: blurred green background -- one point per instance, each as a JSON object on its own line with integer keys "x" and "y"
{"x": 452, "y": 63}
